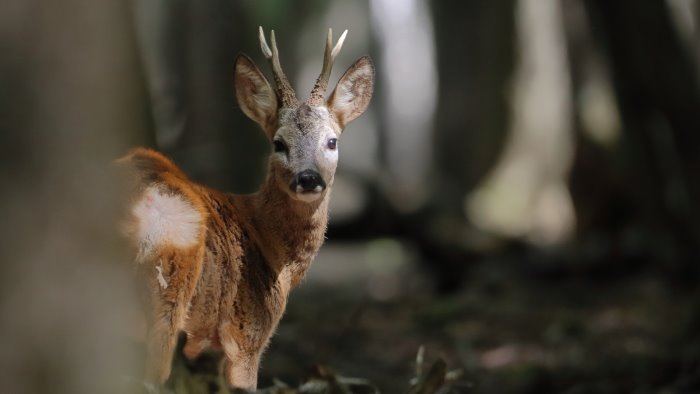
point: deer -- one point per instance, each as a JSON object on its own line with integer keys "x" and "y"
{"x": 218, "y": 266}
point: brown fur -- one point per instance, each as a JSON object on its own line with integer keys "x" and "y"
{"x": 224, "y": 280}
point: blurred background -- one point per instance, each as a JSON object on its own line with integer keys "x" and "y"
{"x": 522, "y": 196}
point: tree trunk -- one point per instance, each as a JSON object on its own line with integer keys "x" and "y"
{"x": 659, "y": 100}
{"x": 75, "y": 98}
{"x": 476, "y": 54}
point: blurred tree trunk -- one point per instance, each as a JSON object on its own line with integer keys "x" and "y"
{"x": 74, "y": 98}
{"x": 218, "y": 137}
{"x": 469, "y": 133}
{"x": 476, "y": 54}
{"x": 597, "y": 183}
{"x": 158, "y": 24}
{"x": 659, "y": 99}
{"x": 189, "y": 49}
{"x": 470, "y": 128}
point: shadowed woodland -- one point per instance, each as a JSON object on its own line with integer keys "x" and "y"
{"x": 517, "y": 212}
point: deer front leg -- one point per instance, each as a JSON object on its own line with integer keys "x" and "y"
{"x": 242, "y": 373}
{"x": 240, "y": 365}
{"x": 172, "y": 282}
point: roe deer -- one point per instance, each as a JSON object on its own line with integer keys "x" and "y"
{"x": 220, "y": 266}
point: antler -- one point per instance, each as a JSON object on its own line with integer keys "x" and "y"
{"x": 284, "y": 89}
{"x": 318, "y": 93}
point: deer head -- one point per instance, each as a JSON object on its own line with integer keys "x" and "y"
{"x": 304, "y": 136}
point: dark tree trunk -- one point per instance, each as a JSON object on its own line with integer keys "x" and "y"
{"x": 659, "y": 100}
{"x": 476, "y": 55}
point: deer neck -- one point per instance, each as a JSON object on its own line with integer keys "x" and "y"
{"x": 290, "y": 231}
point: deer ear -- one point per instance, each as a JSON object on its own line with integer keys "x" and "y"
{"x": 255, "y": 96}
{"x": 353, "y": 92}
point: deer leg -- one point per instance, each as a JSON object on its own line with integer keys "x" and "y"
{"x": 240, "y": 365}
{"x": 172, "y": 283}
{"x": 242, "y": 373}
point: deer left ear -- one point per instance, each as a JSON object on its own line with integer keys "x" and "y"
{"x": 353, "y": 92}
{"x": 255, "y": 96}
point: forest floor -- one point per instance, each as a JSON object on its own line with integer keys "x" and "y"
{"x": 365, "y": 310}
{"x": 509, "y": 330}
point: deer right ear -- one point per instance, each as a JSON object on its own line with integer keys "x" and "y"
{"x": 353, "y": 92}
{"x": 255, "y": 96}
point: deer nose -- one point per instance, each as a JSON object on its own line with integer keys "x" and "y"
{"x": 309, "y": 181}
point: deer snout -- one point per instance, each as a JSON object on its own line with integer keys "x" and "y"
{"x": 308, "y": 181}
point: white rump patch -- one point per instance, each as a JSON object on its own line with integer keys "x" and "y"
{"x": 166, "y": 219}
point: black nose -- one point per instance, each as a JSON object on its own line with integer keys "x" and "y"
{"x": 309, "y": 181}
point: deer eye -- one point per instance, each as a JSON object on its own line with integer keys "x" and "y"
{"x": 279, "y": 146}
{"x": 332, "y": 143}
